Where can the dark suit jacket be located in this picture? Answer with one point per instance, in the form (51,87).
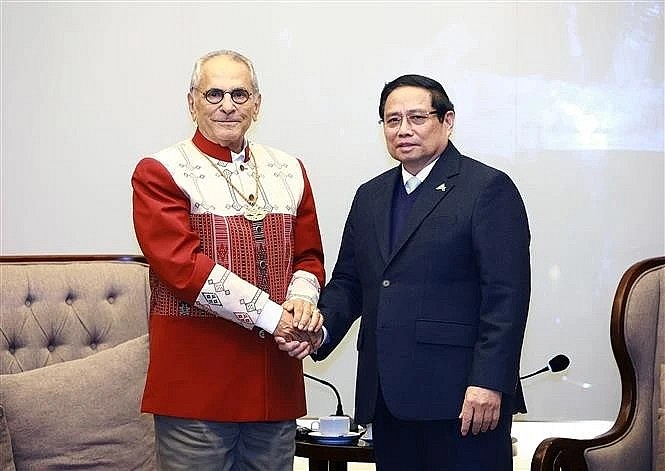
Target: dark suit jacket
(447,307)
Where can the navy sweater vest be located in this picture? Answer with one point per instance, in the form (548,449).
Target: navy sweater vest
(401,207)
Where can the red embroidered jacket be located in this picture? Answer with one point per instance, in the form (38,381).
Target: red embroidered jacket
(217,279)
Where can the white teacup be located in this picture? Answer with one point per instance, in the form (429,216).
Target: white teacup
(332,425)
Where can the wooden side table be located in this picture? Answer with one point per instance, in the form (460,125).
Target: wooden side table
(334,457)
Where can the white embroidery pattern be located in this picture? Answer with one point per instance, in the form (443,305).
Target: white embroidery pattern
(226,295)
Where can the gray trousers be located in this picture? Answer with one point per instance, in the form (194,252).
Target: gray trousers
(184,444)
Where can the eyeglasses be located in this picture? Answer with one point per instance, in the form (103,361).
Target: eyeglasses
(417,118)
(215,96)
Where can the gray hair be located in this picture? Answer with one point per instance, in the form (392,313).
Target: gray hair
(198,65)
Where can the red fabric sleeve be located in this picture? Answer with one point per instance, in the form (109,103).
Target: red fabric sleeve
(164,233)
(308,249)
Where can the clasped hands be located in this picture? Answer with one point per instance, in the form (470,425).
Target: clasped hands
(298,331)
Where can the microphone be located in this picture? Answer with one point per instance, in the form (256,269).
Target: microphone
(353,427)
(556,364)
(339,410)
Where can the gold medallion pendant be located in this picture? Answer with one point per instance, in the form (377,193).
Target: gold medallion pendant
(254,213)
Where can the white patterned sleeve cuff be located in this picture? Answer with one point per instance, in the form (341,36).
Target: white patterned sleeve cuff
(305,286)
(270,316)
(226,295)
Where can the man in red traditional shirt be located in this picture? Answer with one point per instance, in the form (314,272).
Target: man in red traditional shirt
(230,230)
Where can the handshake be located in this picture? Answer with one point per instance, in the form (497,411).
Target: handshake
(299,331)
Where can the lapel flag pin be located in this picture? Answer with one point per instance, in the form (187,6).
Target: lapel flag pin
(441,187)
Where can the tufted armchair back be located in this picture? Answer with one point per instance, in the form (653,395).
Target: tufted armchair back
(636,442)
(60,308)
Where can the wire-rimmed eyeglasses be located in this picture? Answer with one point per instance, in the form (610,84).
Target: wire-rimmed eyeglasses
(416,118)
(215,96)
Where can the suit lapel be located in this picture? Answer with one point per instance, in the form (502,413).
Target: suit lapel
(438,184)
(382,203)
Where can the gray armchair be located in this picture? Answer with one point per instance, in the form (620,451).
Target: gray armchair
(73,360)
(636,441)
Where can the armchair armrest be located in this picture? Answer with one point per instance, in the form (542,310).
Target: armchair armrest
(567,454)
(633,334)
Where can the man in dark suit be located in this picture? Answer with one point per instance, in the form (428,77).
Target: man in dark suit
(438,270)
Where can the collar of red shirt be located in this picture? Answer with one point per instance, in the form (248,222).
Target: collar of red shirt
(212,149)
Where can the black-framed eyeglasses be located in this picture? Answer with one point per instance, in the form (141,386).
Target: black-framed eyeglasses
(215,96)
(417,118)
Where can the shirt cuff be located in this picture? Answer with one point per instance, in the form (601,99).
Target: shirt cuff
(305,286)
(269,317)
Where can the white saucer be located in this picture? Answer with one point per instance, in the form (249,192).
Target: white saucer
(345,439)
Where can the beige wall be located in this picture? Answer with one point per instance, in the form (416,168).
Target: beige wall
(567,98)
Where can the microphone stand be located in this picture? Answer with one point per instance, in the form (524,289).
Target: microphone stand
(556,364)
(339,410)
(542,370)
(353,427)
